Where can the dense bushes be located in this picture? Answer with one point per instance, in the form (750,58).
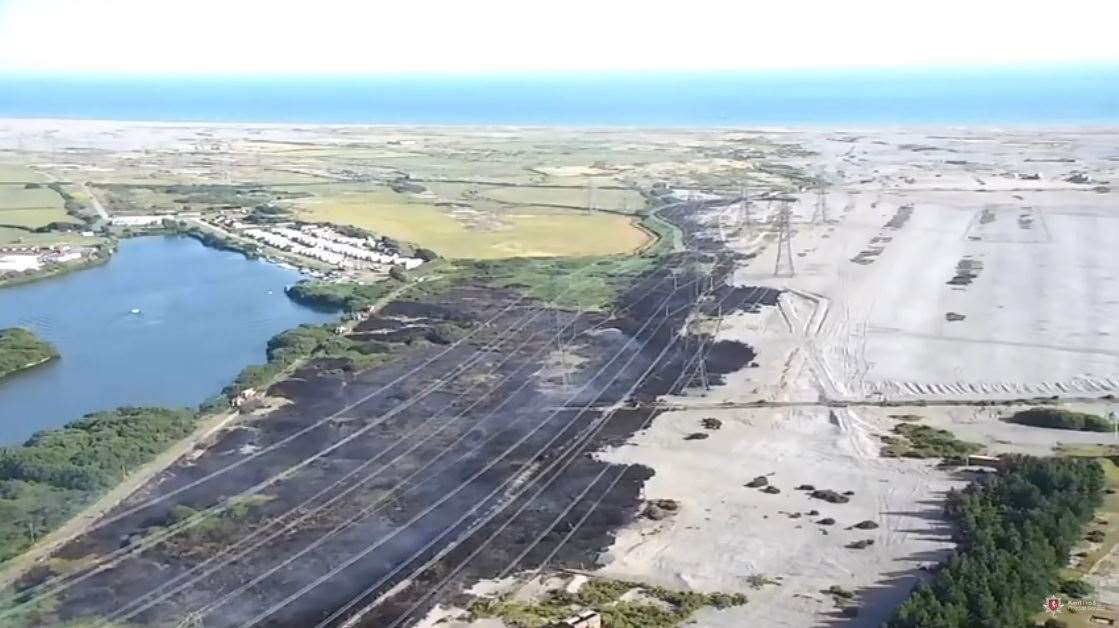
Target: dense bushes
(294,343)
(306,341)
(1061,419)
(1015,533)
(915,440)
(283,351)
(90,452)
(213,240)
(268,213)
(349,296)
(56,472)
(19,349)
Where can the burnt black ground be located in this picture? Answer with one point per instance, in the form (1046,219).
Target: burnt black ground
(462,478)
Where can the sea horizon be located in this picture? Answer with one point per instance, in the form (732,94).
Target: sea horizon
(1055,95)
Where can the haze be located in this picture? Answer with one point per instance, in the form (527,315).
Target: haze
(343,36)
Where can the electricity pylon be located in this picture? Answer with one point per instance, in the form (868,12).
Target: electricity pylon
(784,265)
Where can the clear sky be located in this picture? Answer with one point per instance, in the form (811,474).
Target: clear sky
(379,36)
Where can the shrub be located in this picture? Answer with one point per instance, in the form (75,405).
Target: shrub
(1075,588)
(923,441)
(445,333)
(1057,418)
(346,295)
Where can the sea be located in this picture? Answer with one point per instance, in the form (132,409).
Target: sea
(1059,94)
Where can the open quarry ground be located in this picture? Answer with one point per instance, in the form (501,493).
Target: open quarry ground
(1040,312)
(946,277)
(901,239)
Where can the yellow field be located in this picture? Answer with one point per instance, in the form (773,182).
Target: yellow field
(32,208)
(512,233)
(572,197)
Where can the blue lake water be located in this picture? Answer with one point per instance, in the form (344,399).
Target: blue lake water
(204,315)
(1085,93)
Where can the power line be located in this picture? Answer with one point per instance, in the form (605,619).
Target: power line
(564,457)
(458,370)
(784,265)
(367,478)
(481,547)
(529,461)
(820,216)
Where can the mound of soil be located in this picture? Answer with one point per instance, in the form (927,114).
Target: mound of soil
(829,496)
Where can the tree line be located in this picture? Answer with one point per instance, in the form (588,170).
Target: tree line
(58,471)
(1015,531)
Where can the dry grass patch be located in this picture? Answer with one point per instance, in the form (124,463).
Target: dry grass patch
(486,235)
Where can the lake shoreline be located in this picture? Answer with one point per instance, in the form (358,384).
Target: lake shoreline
(20,341)
(28,366)
(80,508)
(133,299)
(57,271)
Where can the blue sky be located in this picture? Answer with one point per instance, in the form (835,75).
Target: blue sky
(373,37)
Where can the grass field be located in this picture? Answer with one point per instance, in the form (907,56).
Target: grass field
(12,173)
(512,233)
(571,197)
(20,236)
(138,199)
(31,208)
(15,196)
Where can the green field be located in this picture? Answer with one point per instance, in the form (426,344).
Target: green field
(521,232)
(31,208)
(12,173)
(9,236)
(16,196)
(569,197)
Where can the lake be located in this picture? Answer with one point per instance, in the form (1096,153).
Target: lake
(204,314)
